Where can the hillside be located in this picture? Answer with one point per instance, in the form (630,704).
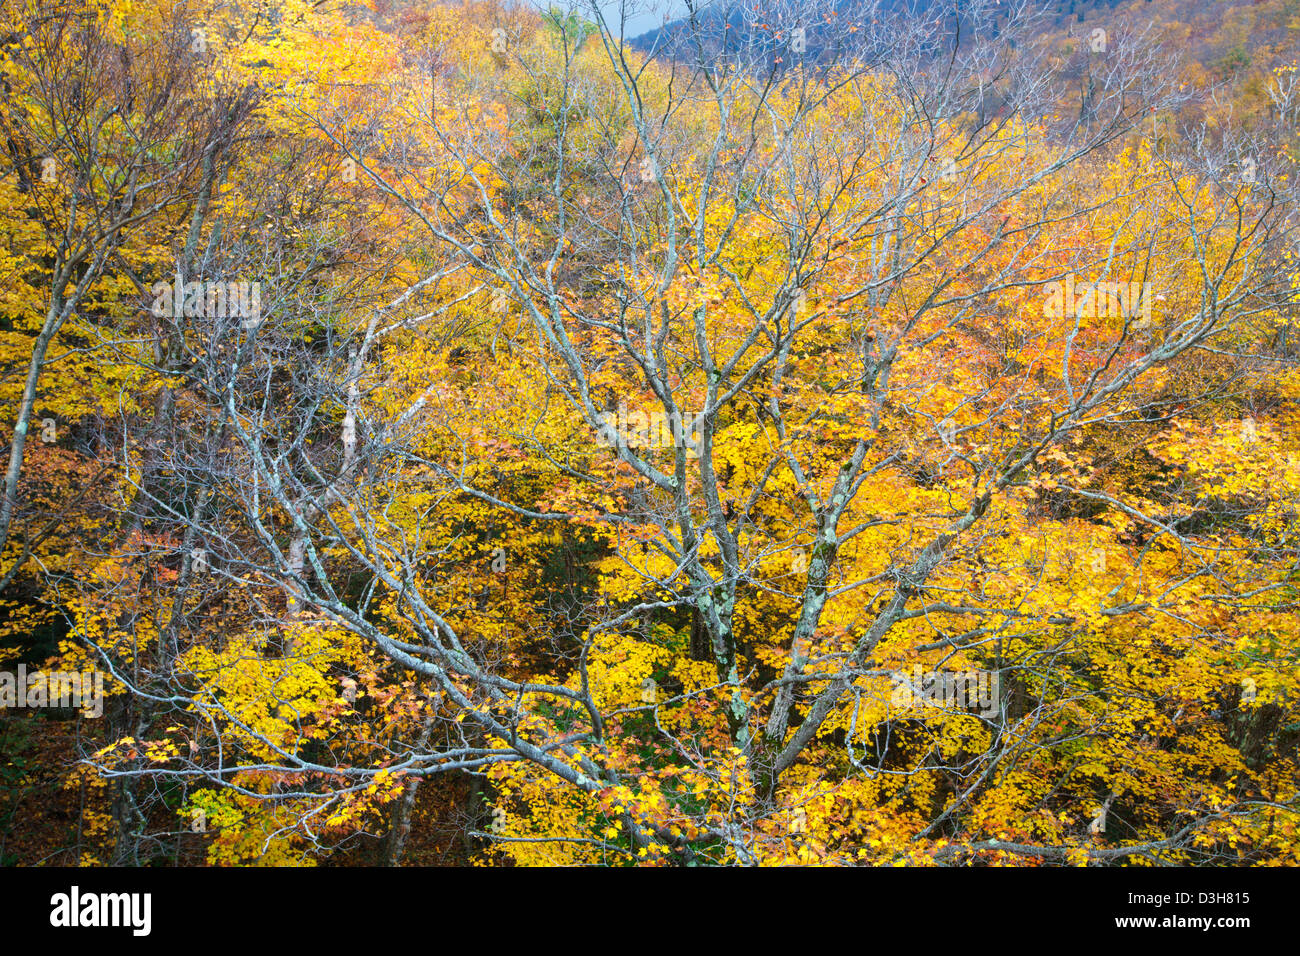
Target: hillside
(438,434)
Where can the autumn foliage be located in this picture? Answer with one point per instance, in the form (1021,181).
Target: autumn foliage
(611,456)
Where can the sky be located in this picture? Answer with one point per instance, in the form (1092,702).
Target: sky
(641,15)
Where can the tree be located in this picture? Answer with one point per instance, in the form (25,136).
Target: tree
(771,452)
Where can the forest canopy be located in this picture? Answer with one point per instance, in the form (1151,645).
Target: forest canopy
(809,433)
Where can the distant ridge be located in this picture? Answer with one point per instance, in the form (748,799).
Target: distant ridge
(757,24)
